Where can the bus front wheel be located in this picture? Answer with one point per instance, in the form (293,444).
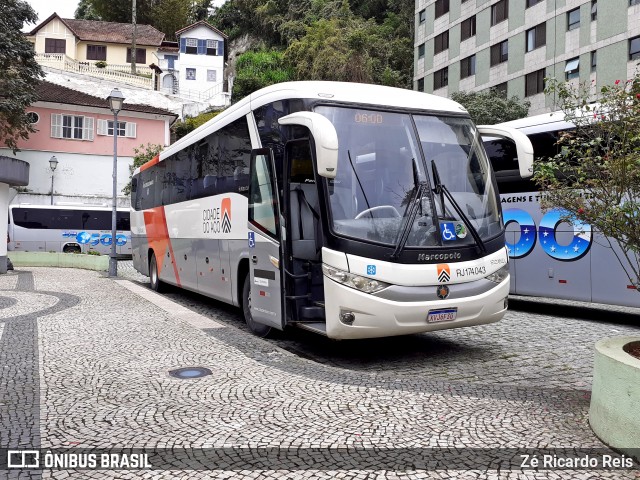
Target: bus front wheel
(154,275)
(256,328)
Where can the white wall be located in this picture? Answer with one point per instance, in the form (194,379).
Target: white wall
(81,177)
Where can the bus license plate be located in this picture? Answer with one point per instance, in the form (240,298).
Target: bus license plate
(442,315)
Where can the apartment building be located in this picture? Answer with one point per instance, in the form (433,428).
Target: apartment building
(513,45)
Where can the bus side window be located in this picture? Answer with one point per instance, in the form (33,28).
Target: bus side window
(208,160)
(235,152)
(504,160)
(181,176)
(503,156)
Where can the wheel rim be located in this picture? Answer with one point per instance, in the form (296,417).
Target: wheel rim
(257,328)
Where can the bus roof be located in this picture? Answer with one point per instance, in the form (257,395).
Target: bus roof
(540,123)
(356,93)
(67,206)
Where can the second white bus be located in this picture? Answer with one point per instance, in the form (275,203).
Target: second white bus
(67,229)
(548,256)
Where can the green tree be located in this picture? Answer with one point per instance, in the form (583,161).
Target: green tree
(188,125)
(85,11)
(143,154)
(596,176)
(491,107)
(120,10)
(169,16)
(351,49)
(236,17)
(376,34)
(256,70)
(21,74)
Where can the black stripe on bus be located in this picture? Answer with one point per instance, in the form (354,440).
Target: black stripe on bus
(269,275)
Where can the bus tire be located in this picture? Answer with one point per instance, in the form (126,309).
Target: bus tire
(258,329)
(154,275)
(71,249)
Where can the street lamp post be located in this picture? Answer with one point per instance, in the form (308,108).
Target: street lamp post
(116,99)
(53,163)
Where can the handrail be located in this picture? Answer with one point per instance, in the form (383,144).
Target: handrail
(63,62)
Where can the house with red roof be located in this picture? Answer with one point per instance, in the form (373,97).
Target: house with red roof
(91,41)
(78,130)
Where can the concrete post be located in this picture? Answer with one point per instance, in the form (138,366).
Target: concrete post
(4,213)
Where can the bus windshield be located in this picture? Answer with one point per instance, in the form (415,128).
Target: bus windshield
(383,159)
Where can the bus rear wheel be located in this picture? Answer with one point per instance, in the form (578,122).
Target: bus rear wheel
(258,329)
(154,276)
(72,249)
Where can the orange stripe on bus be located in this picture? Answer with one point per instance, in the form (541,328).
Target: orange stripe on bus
(150,163)
(158,238)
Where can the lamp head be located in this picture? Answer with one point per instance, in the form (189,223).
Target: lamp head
(53,163)
(116,99)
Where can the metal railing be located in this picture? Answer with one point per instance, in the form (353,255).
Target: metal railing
(203,96)
(118,73)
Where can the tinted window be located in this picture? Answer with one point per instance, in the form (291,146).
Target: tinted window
(235,152)
(65,219)
(181,176)
(502,154)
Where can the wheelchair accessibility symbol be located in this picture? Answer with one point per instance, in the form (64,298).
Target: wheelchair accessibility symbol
(448,231)
(252,240)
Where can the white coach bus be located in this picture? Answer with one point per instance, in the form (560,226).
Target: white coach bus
(350,210)
(71,228)
(548,256)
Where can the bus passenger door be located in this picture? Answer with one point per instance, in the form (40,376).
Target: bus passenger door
(264,241)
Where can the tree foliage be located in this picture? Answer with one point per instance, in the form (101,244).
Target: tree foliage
(85,11)
(143,154)
(491,107)
(168,16)
(20,72)
(596,176)
(190,124)
(357,40)
(259,69)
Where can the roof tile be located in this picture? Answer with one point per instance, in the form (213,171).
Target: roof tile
(50,92)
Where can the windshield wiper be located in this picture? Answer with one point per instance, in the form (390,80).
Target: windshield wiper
(414,206)
(443,191)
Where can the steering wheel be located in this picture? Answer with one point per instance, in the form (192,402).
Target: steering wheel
(379,207)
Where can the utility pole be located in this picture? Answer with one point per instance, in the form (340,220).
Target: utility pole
(133,43)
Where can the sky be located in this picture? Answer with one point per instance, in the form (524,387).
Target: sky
(64,8)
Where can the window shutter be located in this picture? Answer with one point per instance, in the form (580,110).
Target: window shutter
(202,47)
(541,35)
(130,130)
(56,125)
(102,127)
(87,128)
(221,48)
(183,45)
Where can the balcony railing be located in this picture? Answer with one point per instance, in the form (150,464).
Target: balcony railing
(118,73)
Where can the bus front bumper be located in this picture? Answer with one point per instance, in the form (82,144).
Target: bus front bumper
(379,317)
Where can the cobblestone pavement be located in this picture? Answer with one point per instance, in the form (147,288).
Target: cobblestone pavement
(85,359)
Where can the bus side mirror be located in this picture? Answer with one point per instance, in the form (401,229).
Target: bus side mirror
(521,141)
(325,137)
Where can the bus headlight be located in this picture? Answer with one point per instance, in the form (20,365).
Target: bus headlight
(499,275)
(363,284)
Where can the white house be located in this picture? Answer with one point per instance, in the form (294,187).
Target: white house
(194,67)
